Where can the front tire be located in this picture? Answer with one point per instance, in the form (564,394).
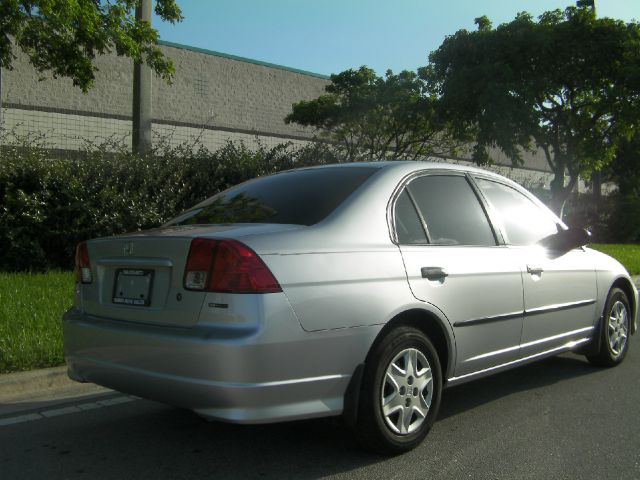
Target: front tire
(401,392)
(614,332)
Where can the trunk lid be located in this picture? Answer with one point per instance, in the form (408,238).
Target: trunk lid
(138,277)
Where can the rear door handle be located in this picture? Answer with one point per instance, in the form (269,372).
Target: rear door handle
(433,273)
(535,269)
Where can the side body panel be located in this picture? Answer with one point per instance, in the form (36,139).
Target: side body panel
(560,296)
(481,297)
(342,289)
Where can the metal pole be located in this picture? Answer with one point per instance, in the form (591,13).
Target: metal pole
(596,177)
(141,131)
(0,96)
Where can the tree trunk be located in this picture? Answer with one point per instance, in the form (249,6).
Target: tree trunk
(597,187)
(560,193)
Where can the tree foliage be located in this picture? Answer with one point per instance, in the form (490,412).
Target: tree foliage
(372,117)
(568,84)
(625,172)
(64,36)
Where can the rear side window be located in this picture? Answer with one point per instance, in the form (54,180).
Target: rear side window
(300,197)
(408,225)
(522,221)
(451,210)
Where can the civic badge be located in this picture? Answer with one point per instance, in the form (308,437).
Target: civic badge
(127,249)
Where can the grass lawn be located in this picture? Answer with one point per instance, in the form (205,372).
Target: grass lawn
(627,254)
(31,308)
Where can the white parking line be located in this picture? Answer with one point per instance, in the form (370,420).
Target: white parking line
(20,419)
(57,412)
(115,401)
(90,406)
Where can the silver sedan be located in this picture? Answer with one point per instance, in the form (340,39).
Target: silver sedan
(359,290)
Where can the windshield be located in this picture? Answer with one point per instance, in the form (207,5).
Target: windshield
(300,197)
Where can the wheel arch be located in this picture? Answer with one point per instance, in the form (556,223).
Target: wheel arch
(429,323)
(625,285)
(594,347)
(432,326)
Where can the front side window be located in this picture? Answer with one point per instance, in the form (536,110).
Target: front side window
(522,221)
(451,210)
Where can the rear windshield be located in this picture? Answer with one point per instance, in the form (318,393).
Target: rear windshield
(300,197)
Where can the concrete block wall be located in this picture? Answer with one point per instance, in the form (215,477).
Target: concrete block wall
(224,91)
(112,93)
(210,90)
(63,131)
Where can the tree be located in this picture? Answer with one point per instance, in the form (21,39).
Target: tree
(624,224)
(371,117)
(65,36)
(566,84)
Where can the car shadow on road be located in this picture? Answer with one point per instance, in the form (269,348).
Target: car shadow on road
(143,439)
(529,377)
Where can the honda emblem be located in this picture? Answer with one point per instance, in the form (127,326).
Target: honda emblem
(127,249)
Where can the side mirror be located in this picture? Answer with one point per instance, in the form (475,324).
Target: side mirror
(566,240)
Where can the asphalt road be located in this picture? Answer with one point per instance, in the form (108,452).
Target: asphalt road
(560,418)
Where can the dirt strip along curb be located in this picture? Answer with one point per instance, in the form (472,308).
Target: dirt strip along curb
(40,383)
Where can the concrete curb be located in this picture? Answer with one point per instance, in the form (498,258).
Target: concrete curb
(47,382)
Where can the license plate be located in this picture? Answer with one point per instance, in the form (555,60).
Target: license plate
(133,287)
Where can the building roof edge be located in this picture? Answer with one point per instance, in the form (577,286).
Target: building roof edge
(240,59)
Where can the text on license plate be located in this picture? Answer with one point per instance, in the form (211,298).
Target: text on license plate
(133,286)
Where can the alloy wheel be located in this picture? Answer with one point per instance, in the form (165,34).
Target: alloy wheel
(407,391)
(618,327)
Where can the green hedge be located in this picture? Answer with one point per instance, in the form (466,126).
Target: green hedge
(49,204)
(615,219)
(624,223)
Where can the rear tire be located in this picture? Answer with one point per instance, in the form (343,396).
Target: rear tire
(401,392)
(614,331)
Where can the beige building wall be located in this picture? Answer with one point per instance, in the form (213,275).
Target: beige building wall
(213,96)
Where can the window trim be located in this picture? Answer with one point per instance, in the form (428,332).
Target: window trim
(423,223)
(488,210)
(402,186)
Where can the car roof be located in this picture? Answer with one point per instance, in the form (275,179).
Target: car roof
(407,166)
(399,169)
(398,164)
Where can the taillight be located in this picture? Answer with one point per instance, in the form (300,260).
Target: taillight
(83,266)
(228,266)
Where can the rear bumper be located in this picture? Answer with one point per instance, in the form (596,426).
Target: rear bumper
(273,373)
(232,402)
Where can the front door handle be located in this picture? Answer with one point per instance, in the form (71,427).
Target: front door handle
(433,273)
(535,269)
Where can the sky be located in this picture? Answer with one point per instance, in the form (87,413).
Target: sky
(330,36)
